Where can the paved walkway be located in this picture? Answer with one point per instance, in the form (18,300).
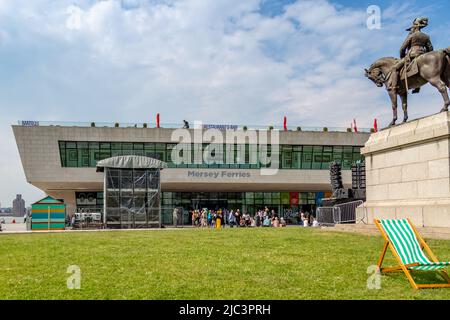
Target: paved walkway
(427,233)
(370,229)
(20,228)
(14,227)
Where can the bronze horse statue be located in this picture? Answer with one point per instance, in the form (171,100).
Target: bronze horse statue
(433,67)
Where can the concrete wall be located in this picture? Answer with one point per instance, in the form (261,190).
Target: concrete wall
(408,172)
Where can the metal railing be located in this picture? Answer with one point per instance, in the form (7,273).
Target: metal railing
(325,216)
(346,212)
(34,123)
(339,214)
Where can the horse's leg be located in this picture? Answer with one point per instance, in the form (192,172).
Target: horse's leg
(393,96)
(404,97)
(442,87)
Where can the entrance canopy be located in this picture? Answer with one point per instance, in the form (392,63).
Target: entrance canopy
(132,191)
(130,162)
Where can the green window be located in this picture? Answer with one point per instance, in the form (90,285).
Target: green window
(337,154)
(83,154)
(87,154)
(357,154)
(105,150)
(276,198)
(327,157)
(347,158)
(138,149)
(307,157)
(286,157)
(62,152)
(296,157)
(317,157)
(303,198)
(71,158)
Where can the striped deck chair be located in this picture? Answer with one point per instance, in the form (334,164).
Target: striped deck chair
(407,247)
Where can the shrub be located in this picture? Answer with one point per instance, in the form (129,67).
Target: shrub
(92,124)
(325,129)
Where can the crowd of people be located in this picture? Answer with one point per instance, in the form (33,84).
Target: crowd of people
(206,218)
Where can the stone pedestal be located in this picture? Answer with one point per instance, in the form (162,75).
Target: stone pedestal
(408,172)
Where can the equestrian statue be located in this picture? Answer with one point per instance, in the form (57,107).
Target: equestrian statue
(418,65)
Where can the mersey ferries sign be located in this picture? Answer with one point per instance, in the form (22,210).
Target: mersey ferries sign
(218,174)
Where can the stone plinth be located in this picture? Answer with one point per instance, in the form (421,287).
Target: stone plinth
(408,172)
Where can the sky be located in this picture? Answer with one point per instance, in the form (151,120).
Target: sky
(222,61)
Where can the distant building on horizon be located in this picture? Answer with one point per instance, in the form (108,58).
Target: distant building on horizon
(5,211)
(19,209)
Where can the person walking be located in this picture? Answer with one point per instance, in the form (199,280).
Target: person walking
(225,217)
(231,219)
(237,214)
(175,217)
(209,217)
(193,217)
(219,219)
(257,220)
(204,219)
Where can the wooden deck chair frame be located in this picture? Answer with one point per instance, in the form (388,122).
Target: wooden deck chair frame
(402,266)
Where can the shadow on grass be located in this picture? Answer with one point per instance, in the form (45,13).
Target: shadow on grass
(420,277)
(428,277)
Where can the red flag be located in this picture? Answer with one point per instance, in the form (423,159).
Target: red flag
(285,123)
(354,126)
(375,125)
(157,120)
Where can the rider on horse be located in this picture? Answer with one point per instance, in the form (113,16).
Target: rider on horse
(416,44)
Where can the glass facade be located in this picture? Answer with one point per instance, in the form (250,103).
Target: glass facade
(297,157)
(285,204)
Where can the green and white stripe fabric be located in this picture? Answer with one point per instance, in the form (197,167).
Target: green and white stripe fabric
(405,242)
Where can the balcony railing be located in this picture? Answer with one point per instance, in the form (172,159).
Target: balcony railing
(32,123)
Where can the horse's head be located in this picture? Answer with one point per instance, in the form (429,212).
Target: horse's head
(378,72)
(376,76)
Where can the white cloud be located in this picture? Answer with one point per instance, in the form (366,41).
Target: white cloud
(216,61)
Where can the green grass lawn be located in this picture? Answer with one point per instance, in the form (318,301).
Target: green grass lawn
(283,263)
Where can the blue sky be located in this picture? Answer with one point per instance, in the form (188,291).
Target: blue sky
(221,61)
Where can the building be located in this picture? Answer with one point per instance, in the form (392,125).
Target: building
(18,208)
(5,211)
(61,159)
